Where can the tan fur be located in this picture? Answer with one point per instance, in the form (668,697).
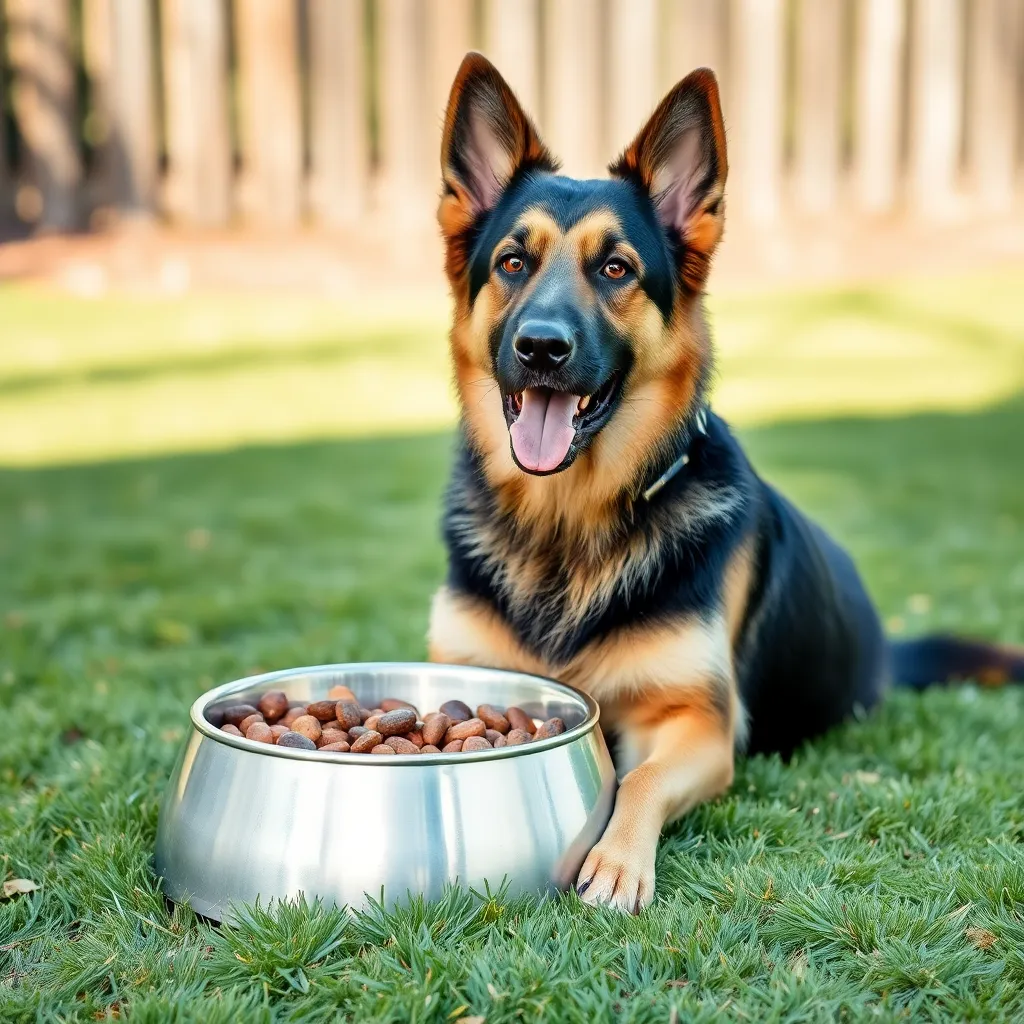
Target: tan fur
(689,760)
(638,675)
(739,576)
(467,632)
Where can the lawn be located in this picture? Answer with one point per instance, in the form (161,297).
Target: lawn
(153,541)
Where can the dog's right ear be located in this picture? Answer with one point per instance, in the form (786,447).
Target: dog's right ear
(487,140)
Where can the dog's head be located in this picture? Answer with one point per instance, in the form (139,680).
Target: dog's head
(579,339)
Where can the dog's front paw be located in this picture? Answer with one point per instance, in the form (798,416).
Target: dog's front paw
(619,875)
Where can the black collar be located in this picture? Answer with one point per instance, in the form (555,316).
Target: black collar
(700,422)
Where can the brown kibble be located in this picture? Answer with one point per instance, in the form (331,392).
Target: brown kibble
(393,704)
(260,732)
(519,719)
(273,705)
(395,723)
(237,713)
(279,730)
(400,745)
(435,727)
(429,748)
(493,718)
(296,739)
(231,730)
(499,742)
(463,730)
(452,748)
(365,743)
(457,711)
(291,714)
(383,748)
(475,743)
(332,736)
(517,736)
(342,693)
(552,727)
(337,748)
(308,726)
(246,722)
(347,714)
(323,710)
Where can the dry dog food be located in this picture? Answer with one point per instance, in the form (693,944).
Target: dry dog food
(340,724)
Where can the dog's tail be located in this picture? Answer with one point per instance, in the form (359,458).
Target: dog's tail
(937,659)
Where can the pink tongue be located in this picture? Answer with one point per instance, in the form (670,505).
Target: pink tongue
(542,434)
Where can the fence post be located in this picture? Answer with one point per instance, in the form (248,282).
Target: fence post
(634,44)
(757,29)
(44,105)
(407,179)
(573,98)
(119,56)
(449,35)
(997,54)
(696,34)
(195,46)
(5,172)
(339,137)
(512,43)
(818,81)
(881,41)
(268,68)
(936,83)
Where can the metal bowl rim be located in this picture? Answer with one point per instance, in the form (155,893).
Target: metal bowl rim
(201,725)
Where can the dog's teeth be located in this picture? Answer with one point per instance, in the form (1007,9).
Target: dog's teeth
(584,402)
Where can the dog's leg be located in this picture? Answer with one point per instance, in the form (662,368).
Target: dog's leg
(689,760)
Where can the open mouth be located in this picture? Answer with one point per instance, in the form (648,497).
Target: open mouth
(547,426)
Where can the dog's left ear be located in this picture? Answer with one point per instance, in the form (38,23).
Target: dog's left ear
(679,158)
(487,139)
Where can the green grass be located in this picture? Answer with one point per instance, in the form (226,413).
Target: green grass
(879,875)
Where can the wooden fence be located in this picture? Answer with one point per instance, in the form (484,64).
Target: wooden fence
(276,112)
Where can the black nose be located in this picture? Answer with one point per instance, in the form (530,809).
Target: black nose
(543,346)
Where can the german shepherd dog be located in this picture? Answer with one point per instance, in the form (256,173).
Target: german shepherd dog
(603,526)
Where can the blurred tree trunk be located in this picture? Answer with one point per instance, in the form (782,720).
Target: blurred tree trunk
(271,113)
(195,47)
(43,70)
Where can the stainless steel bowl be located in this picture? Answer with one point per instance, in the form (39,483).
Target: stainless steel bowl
(242,820)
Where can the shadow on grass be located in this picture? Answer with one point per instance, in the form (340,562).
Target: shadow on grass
(278,542)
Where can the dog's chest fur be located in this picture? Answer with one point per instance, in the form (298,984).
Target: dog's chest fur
(635,604)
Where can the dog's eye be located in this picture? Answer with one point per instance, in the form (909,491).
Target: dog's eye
(616,270)
(512,264)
